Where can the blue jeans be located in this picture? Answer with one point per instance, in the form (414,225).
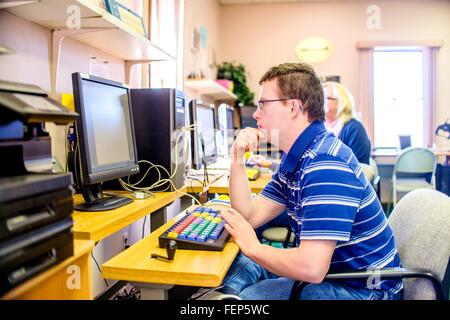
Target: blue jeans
(253,282)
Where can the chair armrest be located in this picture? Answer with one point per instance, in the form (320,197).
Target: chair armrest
(376,180)
(380,274)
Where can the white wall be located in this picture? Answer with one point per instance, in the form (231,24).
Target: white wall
(263,35)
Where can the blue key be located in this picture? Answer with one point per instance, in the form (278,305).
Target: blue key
(192,237)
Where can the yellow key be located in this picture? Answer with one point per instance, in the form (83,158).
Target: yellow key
(172,235)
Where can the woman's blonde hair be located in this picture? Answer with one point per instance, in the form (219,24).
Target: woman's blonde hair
(346,103)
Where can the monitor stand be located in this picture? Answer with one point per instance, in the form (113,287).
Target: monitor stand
(95,201)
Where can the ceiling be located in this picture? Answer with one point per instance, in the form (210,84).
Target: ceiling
(230,2)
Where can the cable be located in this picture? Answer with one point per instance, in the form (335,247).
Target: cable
(160,182)
(143,227)
(205,170)
(98,267)
(192,187)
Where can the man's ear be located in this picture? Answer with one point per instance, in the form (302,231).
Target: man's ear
(296,107)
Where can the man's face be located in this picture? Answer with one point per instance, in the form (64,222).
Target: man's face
(271,115)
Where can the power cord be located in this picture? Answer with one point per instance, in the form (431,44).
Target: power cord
(143,227)
(133,187)
(98,267)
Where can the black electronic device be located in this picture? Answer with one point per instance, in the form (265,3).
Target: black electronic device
(31,104)
(203,139)
(200,229)
(246,115)
(29,253)
(159,117)
(31,201)
(35,202)
(105,138)
(226,126)
(24,143)
(405,141)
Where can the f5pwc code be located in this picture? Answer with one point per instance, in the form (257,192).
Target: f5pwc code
(233,309)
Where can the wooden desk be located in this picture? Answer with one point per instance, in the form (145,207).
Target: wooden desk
(189,267)
(52,284)
(256,186)
(99,225)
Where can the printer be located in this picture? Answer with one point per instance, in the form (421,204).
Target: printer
(35,203)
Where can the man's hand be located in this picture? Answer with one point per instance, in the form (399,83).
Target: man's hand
(247,140)
(241,231)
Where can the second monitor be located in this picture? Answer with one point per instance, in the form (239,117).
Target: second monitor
(203,140)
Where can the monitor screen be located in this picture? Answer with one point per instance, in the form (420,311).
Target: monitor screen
(247,117)
(105,129)
(230,128)
(205,130)
(405,141)
(230,119)
(108,126)
(203,140)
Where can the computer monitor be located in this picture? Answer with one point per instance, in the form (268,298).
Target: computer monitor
(246,115)
(226,127)
(106,147)
(405,141)
(203,140)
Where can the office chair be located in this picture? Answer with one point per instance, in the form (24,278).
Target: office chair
(279,234)
(371,173)
(421,226)
(413,161)
(376,182)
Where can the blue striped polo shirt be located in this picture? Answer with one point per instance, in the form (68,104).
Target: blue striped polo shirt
(327,197)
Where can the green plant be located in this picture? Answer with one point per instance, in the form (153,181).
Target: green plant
(236,72)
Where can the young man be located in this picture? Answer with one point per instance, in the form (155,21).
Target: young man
(333,210)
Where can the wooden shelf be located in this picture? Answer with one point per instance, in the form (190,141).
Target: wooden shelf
(108,33)
(210,89)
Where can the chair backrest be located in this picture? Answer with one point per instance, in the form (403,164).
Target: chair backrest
(368,171)
(416,160)
(374,166)
(421,226)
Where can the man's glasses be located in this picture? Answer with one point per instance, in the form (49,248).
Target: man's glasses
(260,103)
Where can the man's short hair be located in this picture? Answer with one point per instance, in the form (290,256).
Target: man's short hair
(299,81)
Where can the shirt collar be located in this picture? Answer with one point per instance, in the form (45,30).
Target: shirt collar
(301,144)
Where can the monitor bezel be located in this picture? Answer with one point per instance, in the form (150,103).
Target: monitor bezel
(89,177)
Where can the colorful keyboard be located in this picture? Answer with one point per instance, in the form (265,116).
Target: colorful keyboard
(200,229)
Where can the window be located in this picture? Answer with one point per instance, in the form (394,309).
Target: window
(398,96)
(167,32)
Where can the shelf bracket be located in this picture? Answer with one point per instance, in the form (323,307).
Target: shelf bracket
(129,64)
(58,36)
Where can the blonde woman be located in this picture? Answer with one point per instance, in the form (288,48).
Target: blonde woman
(340,119)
